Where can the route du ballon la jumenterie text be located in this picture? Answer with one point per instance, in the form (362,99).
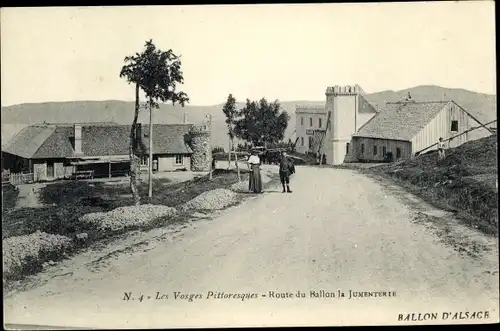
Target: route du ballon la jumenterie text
(276,295)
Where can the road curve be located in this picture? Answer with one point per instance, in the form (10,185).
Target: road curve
(339,231)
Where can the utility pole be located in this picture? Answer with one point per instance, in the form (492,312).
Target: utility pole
(229,155)
(322,144)
(209,127)
(150,194)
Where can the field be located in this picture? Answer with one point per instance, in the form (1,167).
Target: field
(465,182)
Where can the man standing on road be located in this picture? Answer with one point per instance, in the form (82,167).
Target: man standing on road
(441,155)
(285,170)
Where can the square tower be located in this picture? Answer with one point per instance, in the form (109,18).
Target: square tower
(343,103)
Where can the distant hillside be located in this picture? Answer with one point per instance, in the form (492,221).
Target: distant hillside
(14,118)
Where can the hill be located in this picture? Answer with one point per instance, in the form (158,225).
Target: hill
(15,117)
(465,182)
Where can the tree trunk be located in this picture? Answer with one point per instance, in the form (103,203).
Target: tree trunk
(236,160)
(133,146)
(229,156)
(150,191)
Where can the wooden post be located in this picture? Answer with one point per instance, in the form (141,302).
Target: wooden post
(150,193)
(209,126)
(322,145)
(229,155)
(109,169)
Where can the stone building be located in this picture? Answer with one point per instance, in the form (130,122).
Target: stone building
(349,110)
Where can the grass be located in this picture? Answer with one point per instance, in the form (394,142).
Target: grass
(66,201)
(10,194)
(464,182)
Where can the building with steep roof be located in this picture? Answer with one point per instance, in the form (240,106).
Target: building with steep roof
(407,127)
(52,151)
(349,129)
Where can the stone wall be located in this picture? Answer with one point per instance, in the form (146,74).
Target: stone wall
(202,149)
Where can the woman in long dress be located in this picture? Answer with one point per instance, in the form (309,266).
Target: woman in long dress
(255,181)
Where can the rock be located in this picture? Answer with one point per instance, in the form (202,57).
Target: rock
(199,215)
(123,217)
(82,236)
(21,250)
(212,200)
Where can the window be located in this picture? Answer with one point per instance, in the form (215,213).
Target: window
(362,148)
(310,142)
(310,122)
(347,148)
(144,161)
(398,153)
(384,151)
(302,121)
(179,159)
(319,122)
(302,141)
(454,126)
(374,150)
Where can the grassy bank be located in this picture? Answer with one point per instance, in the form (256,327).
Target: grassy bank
(465,182)
(59,229)
(10,194)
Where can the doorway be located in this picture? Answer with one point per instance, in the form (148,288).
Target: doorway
(50,169)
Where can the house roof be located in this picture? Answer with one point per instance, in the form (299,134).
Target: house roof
(27,141)
(57,141)
(401,120)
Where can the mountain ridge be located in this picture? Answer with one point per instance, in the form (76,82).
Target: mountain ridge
(15,117)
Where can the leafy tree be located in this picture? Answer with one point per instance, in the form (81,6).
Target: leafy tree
(157,73)
(261,122)
(231,113)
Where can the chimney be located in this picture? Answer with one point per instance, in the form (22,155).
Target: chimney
(185,120)
(78,139)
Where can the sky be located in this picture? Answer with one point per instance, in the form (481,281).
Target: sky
(286,52)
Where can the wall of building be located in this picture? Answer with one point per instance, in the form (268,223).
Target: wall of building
(349,112)
(440,126)
(62,170)
(39,170)
(304,115)
(167,163)
(342,101)
(369,144)
(14,163)
(68,171)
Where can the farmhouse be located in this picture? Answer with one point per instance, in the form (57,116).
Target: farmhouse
(54,151)
(407,127)
(349,129)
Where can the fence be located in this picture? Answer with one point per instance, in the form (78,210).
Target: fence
(16,179)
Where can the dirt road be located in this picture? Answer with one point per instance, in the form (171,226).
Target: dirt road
(337,231)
